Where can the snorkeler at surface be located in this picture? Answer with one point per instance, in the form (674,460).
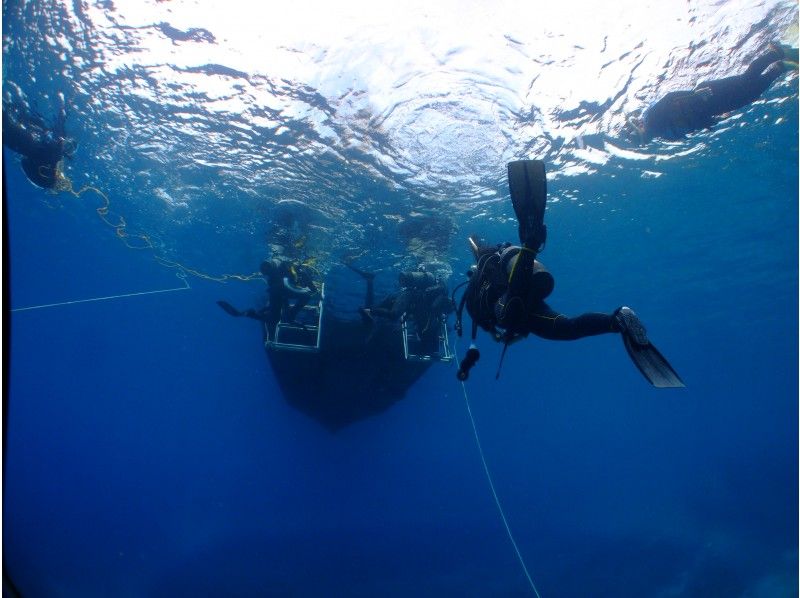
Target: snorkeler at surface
(507,287)
(681,112)
(285,281)
(41,146)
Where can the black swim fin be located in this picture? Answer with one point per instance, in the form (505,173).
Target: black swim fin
(652,364)
(643,353)
(229,309)
(528,185)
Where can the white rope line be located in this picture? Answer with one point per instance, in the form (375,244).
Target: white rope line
(183,288)
(491,485)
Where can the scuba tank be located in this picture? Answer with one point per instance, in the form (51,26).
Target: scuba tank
(502,284)
(540,283)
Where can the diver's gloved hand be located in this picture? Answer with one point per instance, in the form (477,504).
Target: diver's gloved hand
(630,324)
(229,309)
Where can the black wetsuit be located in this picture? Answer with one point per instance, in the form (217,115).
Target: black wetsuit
(681,112)
(284,282)
(287,282)
(543,321)
(422,298)
(41,148)
(489,291)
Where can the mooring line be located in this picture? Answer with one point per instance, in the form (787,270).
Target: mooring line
(491,485)
(183,288)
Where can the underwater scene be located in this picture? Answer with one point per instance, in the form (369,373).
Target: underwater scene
(428,299)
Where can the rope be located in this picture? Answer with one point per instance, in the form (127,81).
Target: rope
(491,485)
(183,288)
(134,240)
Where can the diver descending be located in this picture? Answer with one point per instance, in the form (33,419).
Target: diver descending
(507,287)
(42,147)
(681,112)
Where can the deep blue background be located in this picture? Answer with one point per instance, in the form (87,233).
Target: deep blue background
(150,452)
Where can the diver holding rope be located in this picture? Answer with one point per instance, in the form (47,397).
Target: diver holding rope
(286,280)
(507,287)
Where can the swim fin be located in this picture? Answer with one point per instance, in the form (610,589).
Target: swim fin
(643,353)
(229,309)
(528,185)
(652,364)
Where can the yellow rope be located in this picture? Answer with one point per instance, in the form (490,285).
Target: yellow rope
(135,241)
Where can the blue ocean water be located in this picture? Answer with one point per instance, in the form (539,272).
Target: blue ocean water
(150,451)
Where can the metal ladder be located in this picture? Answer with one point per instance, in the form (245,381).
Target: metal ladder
(291,336)
(412,346)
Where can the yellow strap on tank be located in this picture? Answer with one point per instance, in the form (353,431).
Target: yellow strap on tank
(514,269)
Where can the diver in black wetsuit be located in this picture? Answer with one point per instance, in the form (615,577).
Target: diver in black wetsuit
(285,281)
(681,112)
(422,298)
(41,146)
(507,287)
(524,307)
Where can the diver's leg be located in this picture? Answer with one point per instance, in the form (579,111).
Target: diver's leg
(735,92)
(369,299)
(262,315)
(382,312)
(386,308)
(773,54)
(369,277)
(765,79)
(549,324)
(299,304)
(401,305)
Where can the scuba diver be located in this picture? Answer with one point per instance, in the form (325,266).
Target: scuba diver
(422,299)
(285,281)
(41,146)
(681,112)
(507,287)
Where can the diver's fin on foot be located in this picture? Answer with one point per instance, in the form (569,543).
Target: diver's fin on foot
(528,185)
(643,353)
(229,309)
(652,364)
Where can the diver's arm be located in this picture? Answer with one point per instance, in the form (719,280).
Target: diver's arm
(296,290)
